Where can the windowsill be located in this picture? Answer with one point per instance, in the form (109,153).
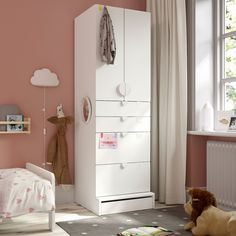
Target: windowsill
(213,133)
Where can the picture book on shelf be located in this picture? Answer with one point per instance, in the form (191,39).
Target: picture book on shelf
(15,127)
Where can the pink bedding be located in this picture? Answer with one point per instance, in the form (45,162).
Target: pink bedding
(22,191)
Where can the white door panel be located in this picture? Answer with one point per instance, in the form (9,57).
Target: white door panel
(108,77)
(137,55)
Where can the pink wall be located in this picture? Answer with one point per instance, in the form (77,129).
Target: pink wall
(37,34)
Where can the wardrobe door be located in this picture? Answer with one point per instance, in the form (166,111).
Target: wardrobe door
(137,55)
(109,77)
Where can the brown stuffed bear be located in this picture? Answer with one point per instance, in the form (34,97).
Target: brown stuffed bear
(206,218)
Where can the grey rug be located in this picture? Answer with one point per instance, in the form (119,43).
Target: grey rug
(172,218)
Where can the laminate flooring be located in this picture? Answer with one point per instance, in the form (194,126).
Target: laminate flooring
(36,224)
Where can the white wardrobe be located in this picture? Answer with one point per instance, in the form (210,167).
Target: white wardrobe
(113,179)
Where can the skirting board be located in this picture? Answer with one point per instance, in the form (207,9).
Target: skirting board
(128,204)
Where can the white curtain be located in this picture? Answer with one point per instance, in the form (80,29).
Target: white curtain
(169,97)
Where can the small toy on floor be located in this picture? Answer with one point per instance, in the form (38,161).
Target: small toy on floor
(206,218)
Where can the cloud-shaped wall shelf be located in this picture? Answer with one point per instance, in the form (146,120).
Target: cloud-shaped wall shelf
(44,78)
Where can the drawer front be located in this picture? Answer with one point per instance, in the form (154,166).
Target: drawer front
(122,178)
(122,108)
(122,124)
(126,205)
(131,147)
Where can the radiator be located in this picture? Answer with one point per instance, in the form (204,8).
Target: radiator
(221,172)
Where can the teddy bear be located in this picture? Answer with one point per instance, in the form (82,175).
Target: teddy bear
(206,218)
(60,112)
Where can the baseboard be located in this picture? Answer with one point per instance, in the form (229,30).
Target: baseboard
(64,194)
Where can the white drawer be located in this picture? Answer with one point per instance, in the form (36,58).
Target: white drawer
(131,147)
(122,178)
(124,205)
(122,124)
(104,108)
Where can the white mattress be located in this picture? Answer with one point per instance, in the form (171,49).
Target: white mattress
(22,191)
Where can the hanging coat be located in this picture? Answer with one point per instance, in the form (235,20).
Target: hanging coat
(57,153)
(107,38)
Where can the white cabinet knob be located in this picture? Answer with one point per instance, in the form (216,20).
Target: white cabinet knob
(123,118)
(123,103)
(123,165)
(123,89)
(122,134)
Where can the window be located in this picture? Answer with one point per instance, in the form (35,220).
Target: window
(228,55)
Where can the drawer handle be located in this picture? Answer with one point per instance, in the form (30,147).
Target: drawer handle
(122,134)
(123,103)
(123,118)
(123,165)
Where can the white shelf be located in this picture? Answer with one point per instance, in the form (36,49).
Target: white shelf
(213,133)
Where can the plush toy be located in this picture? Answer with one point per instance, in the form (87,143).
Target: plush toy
(206,218)
(60,112)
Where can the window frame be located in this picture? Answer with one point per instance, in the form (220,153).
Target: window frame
(222,37)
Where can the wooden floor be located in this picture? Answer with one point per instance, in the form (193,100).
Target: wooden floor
(37,224)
